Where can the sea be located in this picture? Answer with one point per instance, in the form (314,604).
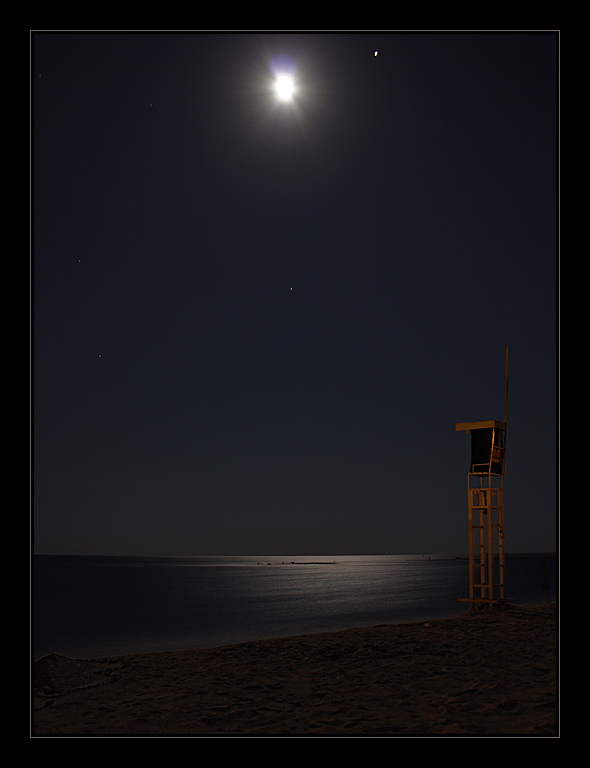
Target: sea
(88,607)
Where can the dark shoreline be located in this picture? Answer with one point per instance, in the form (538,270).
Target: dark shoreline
(446,677)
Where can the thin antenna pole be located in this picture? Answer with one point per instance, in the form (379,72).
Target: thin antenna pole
(505,403)
(506,386)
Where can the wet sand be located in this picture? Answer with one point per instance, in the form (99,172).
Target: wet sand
(486,672)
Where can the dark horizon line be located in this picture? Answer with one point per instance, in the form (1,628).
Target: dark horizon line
(463,556)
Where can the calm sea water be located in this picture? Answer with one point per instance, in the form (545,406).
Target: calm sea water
(102,606)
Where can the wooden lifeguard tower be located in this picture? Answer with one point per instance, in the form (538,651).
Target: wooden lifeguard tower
(485,507)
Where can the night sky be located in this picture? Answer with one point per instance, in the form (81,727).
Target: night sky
(256,323)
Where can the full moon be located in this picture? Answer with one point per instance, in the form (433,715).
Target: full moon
(284,86)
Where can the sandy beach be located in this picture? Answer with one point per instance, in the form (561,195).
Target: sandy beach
(483,673)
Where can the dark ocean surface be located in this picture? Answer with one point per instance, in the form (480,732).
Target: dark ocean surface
(104,606)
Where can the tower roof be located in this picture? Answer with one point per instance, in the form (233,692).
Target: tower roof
(467,426)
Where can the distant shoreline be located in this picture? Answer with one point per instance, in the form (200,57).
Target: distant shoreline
(425,558)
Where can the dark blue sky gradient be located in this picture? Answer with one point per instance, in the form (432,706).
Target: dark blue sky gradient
(255,325)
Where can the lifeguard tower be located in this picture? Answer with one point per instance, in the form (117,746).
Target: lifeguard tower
(485,507)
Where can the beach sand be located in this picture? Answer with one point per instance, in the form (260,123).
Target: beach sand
(485,672)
